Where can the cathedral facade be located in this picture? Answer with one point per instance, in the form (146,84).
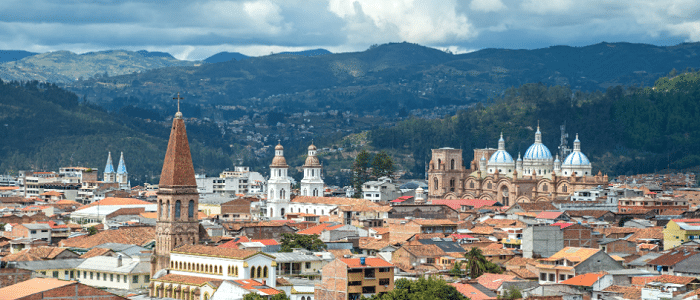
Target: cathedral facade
(495,175)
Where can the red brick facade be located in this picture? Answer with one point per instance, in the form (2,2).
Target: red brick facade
(578,235)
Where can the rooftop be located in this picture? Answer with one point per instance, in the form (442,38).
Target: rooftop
(31,286)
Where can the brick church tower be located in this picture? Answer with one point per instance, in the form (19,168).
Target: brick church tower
(177,223)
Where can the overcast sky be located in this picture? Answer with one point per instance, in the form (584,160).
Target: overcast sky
(197,29)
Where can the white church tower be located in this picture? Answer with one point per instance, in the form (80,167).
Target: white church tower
(109,174)
(279,186)
(123,175)
(312,184)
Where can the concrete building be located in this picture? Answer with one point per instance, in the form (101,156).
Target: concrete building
(380,190)
(240,181)
(353,278)
(572,261)
(541,241)
(120,272)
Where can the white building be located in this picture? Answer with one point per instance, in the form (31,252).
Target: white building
(230,183)
(279,186)
(120,272)
(380,190)
(312,184)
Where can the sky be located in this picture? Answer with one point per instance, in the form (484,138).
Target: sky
(194,30)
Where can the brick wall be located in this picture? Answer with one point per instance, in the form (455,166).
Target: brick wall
(76,291)
(19,231)
(13,276)
(578,235)
(621,246)
(334,282)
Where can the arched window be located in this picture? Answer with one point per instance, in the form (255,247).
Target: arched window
(265,272)
(564,189)
(177,209)
(282,212)
(312,172)
(314,211)
(235,271)
(190,209)
(303,193)
(259,272)
(252,272)
(161,210)
(545,187)
(452,164)
(471,184)
(168,210)
(435,183)
(282,194)
(488,185)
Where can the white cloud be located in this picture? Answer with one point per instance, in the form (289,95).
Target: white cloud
(417,21)
(487,5)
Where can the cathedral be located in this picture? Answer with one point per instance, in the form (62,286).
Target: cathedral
(121,176)
(495,175)
(279,185)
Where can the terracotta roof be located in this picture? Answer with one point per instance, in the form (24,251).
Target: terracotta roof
(520,262)
(177,165)
(672,257)
(320,228)
(642,281)
(573,254)
(233,244)
(339,253)
(548,215)
(96,252)
(253,285)
(31,286)
(482,230)
(456,204)
(34,254)
(592,213)
(647,233)
(522,273)
(471,292)
(585,279)
(424,250)
(500,223)
(672,212)
(494,281)
(116,201)
(562,225)
(627,292)
(369,261)
(537,206)
(214,251)
(184,279)
(125,235)
(372,243)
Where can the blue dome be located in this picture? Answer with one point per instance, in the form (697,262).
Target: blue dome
(501,157)
(576,159)
(538,151)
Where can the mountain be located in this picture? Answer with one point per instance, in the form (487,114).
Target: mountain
(313,52)
(13,55)
(225,56)
(67,67)
(386,78)
(43,127)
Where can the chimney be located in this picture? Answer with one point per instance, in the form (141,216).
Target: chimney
(119,261)
(264,282)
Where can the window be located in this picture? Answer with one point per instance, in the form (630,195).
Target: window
(33,231)
(384,281)
(190,209)
(452,164)
(265,272)
(383,270)
(146,278)
(552,278)
(435,183)
(369,273)
(91,275)
(168,209)
(354,283)
(488,185)
(471,184)
(135,279)
(368,289)
(308,265)
(177,209)
(118,277)
(545,187)
(562,277)
(543,276)
(111,277)
(55,274)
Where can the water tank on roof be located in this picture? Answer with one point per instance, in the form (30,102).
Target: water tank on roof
(362,261)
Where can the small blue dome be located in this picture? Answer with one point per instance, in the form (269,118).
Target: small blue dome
(501,157)
(576,159)
(538,151)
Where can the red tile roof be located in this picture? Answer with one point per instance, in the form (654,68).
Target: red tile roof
(31,286)
(184,279)
(128,235)
(116,201)
(369,262)
(456,204)
(642,281)
(494,281)
(562,225)
(251,284)
(584,280)
(470,291)
(548,215)
(320,228)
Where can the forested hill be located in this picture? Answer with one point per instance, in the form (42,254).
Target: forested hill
(43,127)
(386,78)
(621,130)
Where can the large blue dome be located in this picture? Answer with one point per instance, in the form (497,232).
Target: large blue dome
(576,159)
(538,151)
(501,157)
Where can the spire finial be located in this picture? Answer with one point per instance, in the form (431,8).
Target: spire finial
(178,98)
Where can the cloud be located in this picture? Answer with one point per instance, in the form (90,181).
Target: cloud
(487,5)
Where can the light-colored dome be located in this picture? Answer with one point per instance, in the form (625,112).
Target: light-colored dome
(576,159)
(312,147)
(538,151)
(501,157)
(312,161)
(279,147)
(279,162)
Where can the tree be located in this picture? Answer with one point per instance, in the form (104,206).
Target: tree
(309,242)
(382,165)
(252,296)
(456,270)
(359,171)
(476,263)
(430,288)
(512,293)
(92,230)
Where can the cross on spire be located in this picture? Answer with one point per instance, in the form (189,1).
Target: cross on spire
(178,98)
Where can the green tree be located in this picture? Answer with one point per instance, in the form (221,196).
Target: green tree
(309,242)
(476,263)
(252,296)
(456,270)
(512,293)
(382,165)
(360,171)
(92,230)
(430,288)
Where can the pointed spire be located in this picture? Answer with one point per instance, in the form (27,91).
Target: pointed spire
(121,169)
(501,143)
(178,114)
(519,158)
(538,134)
(177,166)
(109,168)
(577,144)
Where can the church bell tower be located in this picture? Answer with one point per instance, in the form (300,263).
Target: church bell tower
(177,223)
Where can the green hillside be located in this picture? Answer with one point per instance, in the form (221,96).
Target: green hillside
(43,127)
(621,130)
